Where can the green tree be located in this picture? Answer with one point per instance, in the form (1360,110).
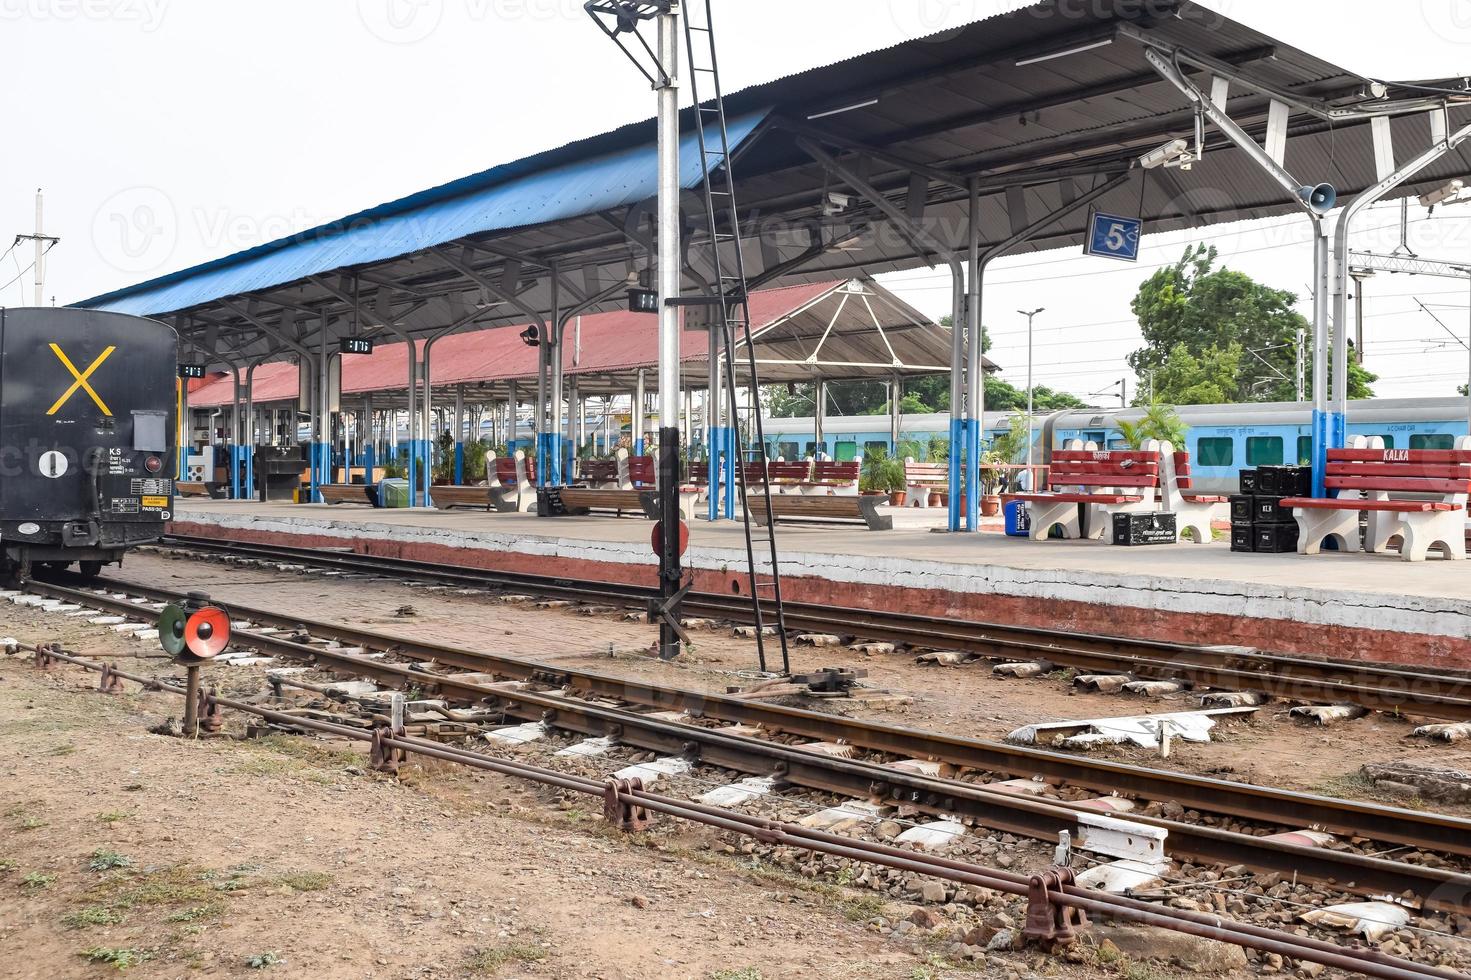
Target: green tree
(1240,335)
(1186,378)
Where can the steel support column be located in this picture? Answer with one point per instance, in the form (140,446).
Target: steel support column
(1338,416)
(668,271)
(923,243)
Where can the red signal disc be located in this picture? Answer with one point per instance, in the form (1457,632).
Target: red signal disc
(207,632)
(657,538)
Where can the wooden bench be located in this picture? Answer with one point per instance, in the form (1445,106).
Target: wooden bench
(1109,481)
(512,484)
(348,493)
(447,497)
(1373,479)
(1193,511)
(829,477)
(580,501)
(921,479)
(805,508)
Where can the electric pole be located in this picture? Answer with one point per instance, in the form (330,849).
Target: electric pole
(43,243)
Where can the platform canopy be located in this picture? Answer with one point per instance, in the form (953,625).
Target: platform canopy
(1037,106)
(847,330)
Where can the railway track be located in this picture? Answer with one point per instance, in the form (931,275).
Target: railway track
(941,774)
(1444,695)
(1056,905)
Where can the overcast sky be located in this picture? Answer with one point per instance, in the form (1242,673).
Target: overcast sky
(169,132)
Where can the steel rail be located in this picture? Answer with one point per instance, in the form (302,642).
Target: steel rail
(999,810)
(1380,687)
(1366,961)
(1285,808)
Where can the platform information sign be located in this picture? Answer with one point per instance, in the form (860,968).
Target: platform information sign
(1113,236)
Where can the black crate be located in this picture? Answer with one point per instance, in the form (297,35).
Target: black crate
(1145,528)
(1273,538)
(1284,481)
(1248,481)
(1243,509)
(1269,510)
(1243,537)
(1304,487)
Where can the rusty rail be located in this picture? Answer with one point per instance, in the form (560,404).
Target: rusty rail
(1377,686)
(990,807)
(1284,808)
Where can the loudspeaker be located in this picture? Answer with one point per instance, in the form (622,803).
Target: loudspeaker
(1319,197)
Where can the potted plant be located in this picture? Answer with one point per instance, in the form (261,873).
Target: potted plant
(872,480)
(891,473)
(992,479)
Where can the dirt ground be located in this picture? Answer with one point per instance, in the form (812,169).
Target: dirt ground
(274,851)
(967,700)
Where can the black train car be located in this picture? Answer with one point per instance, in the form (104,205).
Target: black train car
(88,402)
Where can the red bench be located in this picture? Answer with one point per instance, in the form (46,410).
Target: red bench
(780,475)
(1372,480)
(831,477)
(598,472)
(922,479)
(513,487)
(1112,481)
(1193,511)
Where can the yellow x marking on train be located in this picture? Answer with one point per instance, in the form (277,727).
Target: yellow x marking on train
(81,380)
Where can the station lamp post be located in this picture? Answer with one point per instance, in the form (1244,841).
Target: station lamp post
(1029,314)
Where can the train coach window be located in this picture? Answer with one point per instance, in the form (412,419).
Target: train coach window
(1433,441)
(1215,451)
(846,452)
(1263,450)
(1304,450)
(1388,439)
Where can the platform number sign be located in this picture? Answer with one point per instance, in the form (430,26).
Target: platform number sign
(355,345)
(1113,236)
(191,371)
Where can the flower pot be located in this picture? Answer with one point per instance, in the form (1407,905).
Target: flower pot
(871,493)
(944,499)
(897,497)
(934,498)
(990,505)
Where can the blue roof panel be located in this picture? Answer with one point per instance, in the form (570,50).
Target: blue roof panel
(505,197)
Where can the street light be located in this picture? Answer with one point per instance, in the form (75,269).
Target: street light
(1029,314)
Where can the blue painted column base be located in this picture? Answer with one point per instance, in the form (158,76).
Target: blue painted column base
(972,429)
(368,465)
(459,464)
(730,441)
(957,446)
(1320,453)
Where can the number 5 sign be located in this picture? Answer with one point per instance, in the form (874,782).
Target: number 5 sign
(1113,236)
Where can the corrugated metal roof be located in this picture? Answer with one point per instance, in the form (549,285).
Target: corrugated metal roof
(958,101)
(786,321)
(515,195)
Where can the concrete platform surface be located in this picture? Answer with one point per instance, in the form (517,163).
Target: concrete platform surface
(1341,605)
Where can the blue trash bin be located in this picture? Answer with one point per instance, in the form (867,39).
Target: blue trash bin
(1018,521)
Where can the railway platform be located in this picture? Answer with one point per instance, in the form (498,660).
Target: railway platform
(1350,606)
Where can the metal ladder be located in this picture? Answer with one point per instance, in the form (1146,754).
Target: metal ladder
(730,302)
